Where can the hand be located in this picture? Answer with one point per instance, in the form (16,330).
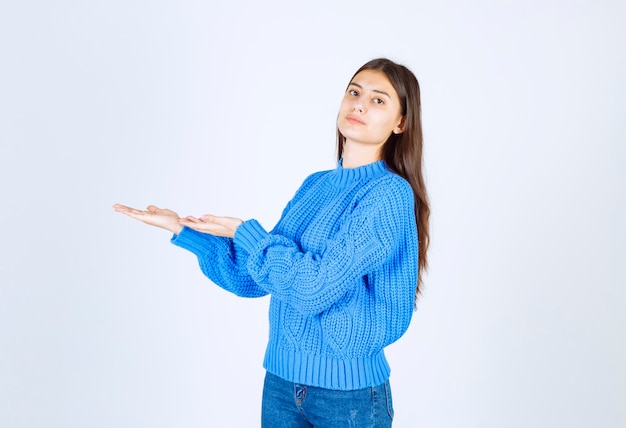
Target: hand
(154,216)
(214,225)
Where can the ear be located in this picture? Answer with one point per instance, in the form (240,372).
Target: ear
(400,128)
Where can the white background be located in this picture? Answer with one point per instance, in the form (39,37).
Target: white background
(225,108)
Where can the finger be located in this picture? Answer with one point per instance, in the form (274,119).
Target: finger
(137,214)
(209,218)
(224,222)
(190,219)
(120,207)
(128,210)
(201,226)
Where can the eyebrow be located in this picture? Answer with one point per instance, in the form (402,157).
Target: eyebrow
(373,90)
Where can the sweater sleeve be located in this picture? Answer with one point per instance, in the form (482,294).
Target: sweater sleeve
(221,260)
(312,282)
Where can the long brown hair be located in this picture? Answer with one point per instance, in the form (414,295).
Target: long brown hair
(403,152)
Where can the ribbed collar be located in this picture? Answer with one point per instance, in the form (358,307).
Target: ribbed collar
(344,176)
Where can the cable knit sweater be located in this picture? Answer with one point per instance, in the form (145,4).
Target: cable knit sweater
(341,269)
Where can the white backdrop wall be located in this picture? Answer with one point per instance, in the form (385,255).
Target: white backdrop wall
(225,108)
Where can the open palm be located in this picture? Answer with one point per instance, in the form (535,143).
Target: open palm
(154,216)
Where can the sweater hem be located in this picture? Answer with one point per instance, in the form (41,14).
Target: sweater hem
(327,371)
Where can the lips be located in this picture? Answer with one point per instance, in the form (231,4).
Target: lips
(355,120)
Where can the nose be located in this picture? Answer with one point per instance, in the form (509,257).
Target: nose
(358,106)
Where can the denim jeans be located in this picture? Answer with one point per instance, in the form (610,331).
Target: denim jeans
(290,405)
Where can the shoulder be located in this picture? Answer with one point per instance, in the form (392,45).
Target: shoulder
(389,187)
(316,176)
(387,200)
(309,184)
(312,179)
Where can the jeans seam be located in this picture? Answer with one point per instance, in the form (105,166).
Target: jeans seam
(389,399)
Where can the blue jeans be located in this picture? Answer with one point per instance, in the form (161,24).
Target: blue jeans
(290,405)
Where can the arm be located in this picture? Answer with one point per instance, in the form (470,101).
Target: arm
(218,257)
(369,238)
(221,260)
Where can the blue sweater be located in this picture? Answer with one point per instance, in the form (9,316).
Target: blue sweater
(341,268)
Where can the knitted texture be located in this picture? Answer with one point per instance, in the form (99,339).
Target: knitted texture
(341,269)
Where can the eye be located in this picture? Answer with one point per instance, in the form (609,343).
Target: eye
(378,101)
(353,92)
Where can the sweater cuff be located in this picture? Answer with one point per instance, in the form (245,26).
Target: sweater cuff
(192,240)
(249,234)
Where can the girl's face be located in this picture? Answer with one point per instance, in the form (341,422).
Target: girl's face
(370,110)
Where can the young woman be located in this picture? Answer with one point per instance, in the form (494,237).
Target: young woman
(342,266)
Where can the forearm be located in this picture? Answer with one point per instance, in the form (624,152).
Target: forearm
(220,261)
(312,283)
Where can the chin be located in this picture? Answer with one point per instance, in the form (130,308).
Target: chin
(350,132)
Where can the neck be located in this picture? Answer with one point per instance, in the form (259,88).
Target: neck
(355,155)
